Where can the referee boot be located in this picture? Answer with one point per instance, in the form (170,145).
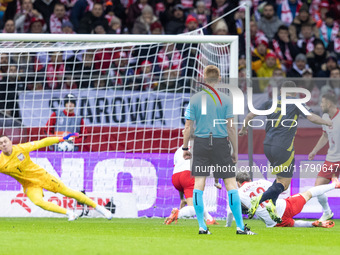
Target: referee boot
(72,216)
(201,231)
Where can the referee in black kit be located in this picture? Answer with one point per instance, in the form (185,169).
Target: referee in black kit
(211,149)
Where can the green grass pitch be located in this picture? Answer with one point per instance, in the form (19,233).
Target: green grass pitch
(149,236)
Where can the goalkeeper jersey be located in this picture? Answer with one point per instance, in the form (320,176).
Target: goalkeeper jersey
(20,166)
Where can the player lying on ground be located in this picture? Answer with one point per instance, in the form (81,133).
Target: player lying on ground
(330,135)
(184,183)
(279,146)
(15,161)
(286,208)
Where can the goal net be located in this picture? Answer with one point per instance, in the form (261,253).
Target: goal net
(130,93)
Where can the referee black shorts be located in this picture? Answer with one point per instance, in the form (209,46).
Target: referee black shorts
(212,155)
(281,160)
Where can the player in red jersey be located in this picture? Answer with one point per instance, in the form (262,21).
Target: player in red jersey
(331,135)
(184,183)
(286,208)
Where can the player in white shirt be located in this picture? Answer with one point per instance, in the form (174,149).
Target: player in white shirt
(330,135)
(286,208)
(184,183)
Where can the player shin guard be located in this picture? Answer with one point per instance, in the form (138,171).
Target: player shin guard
(186,212)
(322,189)
(324,202)
(235,206)
(272,193)
(199,208)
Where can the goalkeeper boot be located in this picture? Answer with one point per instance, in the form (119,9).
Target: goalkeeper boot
(173,217)
(271,208)
(201,231)
(323,224)
(72,216)
(106,213)
(326,216)
(254,204)
(246,231)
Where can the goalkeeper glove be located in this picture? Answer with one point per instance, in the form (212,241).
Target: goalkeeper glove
(68,137)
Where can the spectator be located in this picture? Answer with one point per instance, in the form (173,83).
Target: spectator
(220,7)
(166,9)
(101,82)
(67,28)
(37,26)
(120,74)
(220,28)
(10,85)
(334,46)
(303,18)
(9,27)
(78,11)
(95,16)
(66,121)
(169,58)
(23,17)
(317,57)
(331,63)
(134,11)
(254,34)
(201,13)
(319,10)
(55,70)
(98,28)
(305,44)
(288,9)
(114,8)
(57,18)
(299,65)
(258,55)
(284,49)
(156,28)
(268,67)
(332,84)
(329,29)
(191,24)
(146,76)
(266,70)
(68,82)
(143,22)
(84,69)
(115,26)
(177,24)
(308,83)
(46,8)
(269,23)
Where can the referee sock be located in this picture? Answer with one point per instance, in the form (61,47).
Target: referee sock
(199,208)
(273,192)
(235,206)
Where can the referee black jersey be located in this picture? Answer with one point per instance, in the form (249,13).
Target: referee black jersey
(281,129)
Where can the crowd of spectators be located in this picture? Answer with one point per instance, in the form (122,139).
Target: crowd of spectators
(289,38)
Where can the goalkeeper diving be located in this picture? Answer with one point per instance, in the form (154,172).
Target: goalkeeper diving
(15,161)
